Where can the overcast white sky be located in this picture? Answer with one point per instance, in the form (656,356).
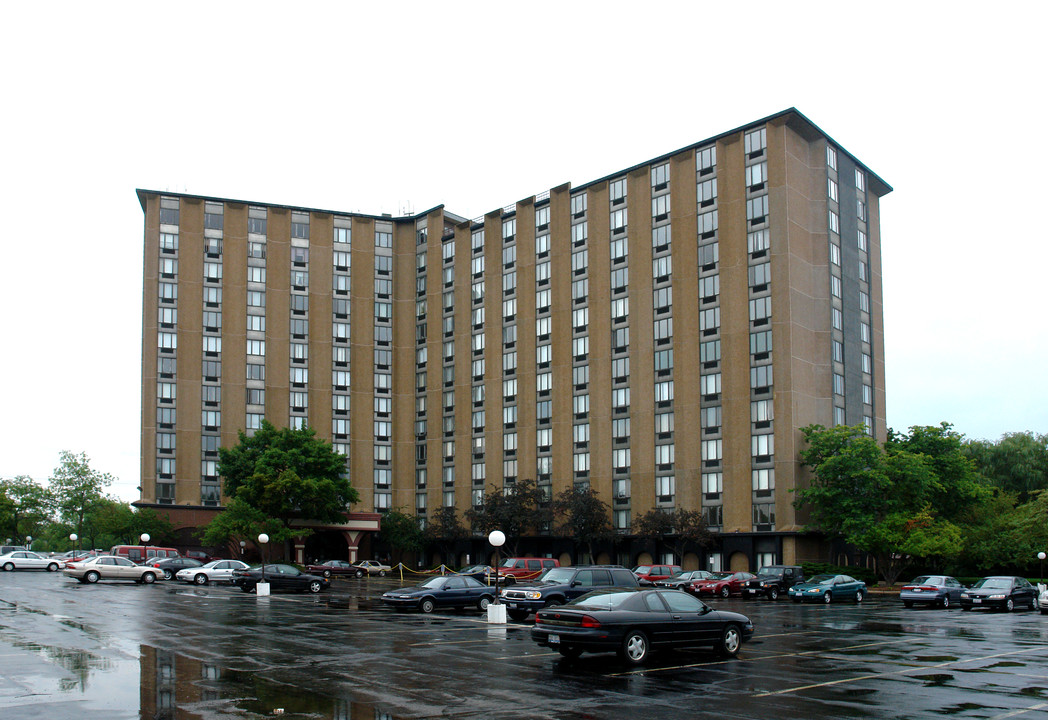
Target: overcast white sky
(387,107)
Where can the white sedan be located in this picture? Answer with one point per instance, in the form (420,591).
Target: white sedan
(214,571)
(27,560)
(110,567)
(1042,597)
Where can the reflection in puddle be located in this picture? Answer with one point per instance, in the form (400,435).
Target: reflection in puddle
(174,687)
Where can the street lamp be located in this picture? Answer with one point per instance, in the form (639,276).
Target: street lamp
(263,539)
(28,542)
(242,546)
(145,538)
(497,611)
(1041,556)
(74,538)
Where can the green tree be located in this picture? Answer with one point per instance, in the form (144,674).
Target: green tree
(1018,463)
(678,528)
(583,516)
(401,532)
(75,488)
(241,520)
(516,511)
(284,474)
(885,501)
(25,507)
(443,531)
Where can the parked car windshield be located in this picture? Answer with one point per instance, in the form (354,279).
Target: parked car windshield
(993,583)
(435,582)
(642,569)
(822,579)
(928,580)
(558,575)
(601,600)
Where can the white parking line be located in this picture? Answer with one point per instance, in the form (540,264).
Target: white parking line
(1015,713)
(872,676)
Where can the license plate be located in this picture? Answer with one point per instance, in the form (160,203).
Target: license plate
(976,600)
(916,590)
(554,640)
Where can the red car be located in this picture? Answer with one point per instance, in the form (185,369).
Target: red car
(648,574)
(724,584)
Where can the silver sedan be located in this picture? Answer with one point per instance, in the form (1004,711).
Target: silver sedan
(110,567)
(27,560)
(214,571)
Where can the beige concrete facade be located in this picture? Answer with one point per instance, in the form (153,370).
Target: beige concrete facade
(711,441)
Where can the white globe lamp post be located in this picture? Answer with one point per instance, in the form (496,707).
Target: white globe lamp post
(262,588)
(76,550)
(496,610)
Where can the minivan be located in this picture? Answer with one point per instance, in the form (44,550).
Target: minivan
(138,553)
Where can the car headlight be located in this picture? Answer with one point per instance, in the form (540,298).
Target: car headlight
(813,590)
(533,595)
(998,597)
(964,595)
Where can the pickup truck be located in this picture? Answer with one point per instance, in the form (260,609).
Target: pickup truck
(773,580)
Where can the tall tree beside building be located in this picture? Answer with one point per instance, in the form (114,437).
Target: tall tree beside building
(583,516)
(24,507)
(515,511)
(285,475)
(75,488)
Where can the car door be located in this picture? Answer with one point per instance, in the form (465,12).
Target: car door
(689,625)
(125,569)
(954,589)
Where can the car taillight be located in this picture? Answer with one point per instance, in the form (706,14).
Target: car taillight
(929,588)
(908,587)
(538,620)
(588,621)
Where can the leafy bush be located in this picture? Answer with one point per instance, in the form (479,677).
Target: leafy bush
(867,575)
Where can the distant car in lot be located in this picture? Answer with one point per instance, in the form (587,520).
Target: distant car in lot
(934,590)
(280,577)
(27,560)
(633,622)
(110,567)
(683,579)
(828,588)
(481,573)
(170,566)
(648,574)
(773,580)
(1042,598)
(330,568)
(216,571)
(200,555)
(371,567)
(515,569)
(456,591)
(1002,592)
(724,584)
(560,584)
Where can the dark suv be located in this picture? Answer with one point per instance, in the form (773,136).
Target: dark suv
(559,585)
(773,580)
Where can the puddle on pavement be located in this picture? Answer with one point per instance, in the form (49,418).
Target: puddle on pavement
(164,685)
(935,658)
(934,679)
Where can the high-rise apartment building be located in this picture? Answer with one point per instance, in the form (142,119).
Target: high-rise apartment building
(660,335)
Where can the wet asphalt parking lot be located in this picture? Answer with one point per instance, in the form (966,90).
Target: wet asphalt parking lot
(170,650)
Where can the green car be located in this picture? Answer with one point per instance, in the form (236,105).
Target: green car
(827,588)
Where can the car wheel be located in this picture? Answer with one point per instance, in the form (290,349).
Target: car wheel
(484,601)
(427,605)
(946,601)
(149,578)
(827,598)
(53,567)
(168,574)
(247,588)
(1034,603)
(773,594)
(509,581)
(908,603)
(200,579)
(725,592)
(360,573)
(634,647)
(8,567)
(571,653)
(315,586)
(92,576)
(730,641)
(859,596)
(382,573)
(518,615)
(327,573)
(1009,605)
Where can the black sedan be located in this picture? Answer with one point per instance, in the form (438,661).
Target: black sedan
(1003,592)
(280,577)
(169,567)
(633,622)
(456,591)
(932,590)
(333,567)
